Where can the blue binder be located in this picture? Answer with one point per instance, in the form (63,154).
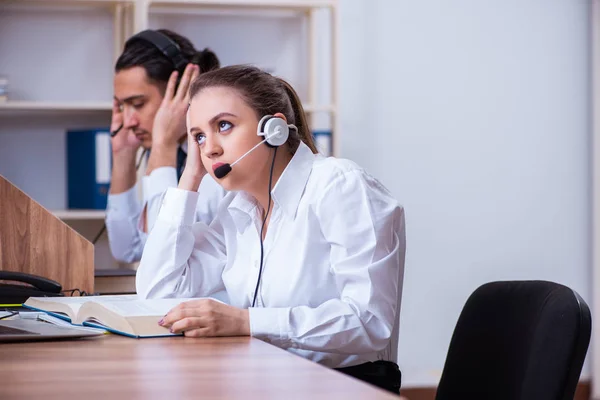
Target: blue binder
(88,168)
(323,142)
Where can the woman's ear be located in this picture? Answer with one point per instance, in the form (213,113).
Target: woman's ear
(280,115)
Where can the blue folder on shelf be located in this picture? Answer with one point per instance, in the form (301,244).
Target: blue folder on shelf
(323,142)
(88,168)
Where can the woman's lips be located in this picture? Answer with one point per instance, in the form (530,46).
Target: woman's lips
(216,165)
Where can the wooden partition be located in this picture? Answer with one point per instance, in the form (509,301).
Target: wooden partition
(34,241)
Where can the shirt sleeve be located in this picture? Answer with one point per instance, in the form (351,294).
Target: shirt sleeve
(211,195)
(154,186)
(364,226)
(126,242)
(159,180)
(181,258)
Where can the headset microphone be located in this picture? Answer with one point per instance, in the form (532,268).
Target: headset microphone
(276,132)
(223,170)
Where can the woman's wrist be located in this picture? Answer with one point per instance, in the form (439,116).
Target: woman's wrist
(190,182)
(245,324)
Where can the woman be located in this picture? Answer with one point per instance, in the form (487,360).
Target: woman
(310,250)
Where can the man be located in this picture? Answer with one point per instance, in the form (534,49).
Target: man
(152,77)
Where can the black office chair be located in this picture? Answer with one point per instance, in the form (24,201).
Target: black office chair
(518,340)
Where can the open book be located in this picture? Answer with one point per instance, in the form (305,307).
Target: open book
(124,315)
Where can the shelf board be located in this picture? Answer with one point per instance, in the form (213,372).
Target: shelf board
(226,12)
(79,214)
(272,4)
(248,4)
(33,106)
(309,108)
(67,2)
(12,107)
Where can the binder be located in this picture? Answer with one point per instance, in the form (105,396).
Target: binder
(88,168)
(323,142)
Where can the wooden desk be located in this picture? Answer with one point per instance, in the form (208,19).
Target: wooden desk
(113,367)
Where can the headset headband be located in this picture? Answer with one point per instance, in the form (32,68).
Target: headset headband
(164,44)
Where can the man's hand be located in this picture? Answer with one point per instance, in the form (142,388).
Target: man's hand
(121,139)
(124,146)
(169,123)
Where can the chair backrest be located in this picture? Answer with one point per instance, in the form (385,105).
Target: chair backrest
(517,340)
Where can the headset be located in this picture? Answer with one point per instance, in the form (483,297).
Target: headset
(166,46)
(276,132)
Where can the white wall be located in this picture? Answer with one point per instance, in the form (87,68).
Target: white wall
(476,115)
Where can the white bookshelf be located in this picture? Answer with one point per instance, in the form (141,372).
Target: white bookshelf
(60,3)
(237,5)
(11,108)
(309,108)
(73,215)
(317,33)
(99,107)
(55,106)
(64,81)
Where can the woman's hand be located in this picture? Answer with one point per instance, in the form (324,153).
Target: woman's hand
(194,170)
(207,317)
(169,121)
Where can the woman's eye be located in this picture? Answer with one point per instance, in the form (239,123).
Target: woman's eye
(200,138)
(224,126)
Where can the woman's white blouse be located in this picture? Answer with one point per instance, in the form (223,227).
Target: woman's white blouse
(126,235)
(333,259)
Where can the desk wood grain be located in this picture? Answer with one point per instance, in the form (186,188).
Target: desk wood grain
(34,241)
(113,367)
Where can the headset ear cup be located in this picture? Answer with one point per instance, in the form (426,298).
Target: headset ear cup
(276,131)
(262,123)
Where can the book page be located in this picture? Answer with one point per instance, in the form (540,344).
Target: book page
(73,303)
(46,303)
(141,308)
(118,297)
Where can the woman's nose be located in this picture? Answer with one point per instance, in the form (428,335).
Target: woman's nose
(212,148)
